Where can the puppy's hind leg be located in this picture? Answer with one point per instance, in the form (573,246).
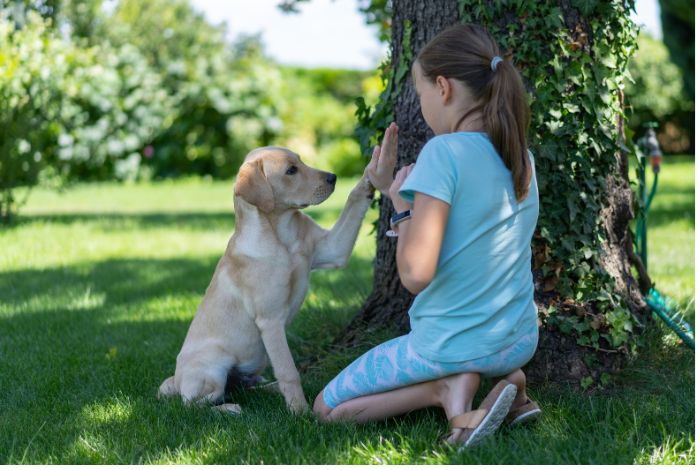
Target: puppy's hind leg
(167,388)
(203,388)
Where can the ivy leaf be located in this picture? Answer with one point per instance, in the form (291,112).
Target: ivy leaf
(609,61)
(586,382)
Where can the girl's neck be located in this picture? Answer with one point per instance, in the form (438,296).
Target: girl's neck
(470,123)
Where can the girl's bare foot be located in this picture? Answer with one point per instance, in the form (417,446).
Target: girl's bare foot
(456,393)
(517,378)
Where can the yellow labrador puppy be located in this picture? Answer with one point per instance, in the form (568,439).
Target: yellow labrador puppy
(262,278)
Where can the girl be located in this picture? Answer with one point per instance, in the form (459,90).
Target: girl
(465,215)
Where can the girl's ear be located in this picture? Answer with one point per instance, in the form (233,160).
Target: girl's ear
(445,87)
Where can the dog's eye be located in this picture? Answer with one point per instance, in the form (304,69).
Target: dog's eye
(292,170)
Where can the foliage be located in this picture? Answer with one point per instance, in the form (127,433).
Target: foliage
(223,104)
(112,106)
(371,122)
(72,111)
(317,111)
(343,85)
(84,19)
(150,89)
(76,111)
(654,91)
(28,95)
(48,9)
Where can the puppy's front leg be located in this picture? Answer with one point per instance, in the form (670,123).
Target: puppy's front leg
(275,341)
(334,247)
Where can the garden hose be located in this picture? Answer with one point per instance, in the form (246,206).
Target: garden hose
(668,311)
(641,233)
(664,307)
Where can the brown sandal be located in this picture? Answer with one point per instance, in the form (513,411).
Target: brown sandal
(524,413)
(483,421)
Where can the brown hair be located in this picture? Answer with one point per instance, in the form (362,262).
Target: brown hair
(465,52)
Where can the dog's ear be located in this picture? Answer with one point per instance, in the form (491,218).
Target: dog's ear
(252,185)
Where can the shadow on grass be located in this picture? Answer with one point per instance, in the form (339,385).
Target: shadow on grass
(662,213)
(85,347)
(661,217)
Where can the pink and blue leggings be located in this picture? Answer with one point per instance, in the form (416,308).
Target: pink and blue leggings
(395,364)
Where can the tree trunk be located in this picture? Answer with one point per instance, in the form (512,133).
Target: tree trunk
(560,357)
(388,303)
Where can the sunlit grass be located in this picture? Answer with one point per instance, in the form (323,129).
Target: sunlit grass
(97,289)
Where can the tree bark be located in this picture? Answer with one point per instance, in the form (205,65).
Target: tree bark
(559,357)
(388,303)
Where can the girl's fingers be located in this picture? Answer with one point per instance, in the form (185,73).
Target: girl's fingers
(403,173)
(390,140)
(375,157)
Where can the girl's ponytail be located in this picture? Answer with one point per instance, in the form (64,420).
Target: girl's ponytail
(469,53)
(506,117)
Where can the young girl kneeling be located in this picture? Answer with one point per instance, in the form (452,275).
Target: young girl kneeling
(465,215)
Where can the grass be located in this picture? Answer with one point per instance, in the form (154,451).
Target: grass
(671,232)
(98,286)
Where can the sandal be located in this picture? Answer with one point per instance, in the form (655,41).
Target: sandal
(525,413)
(483,421)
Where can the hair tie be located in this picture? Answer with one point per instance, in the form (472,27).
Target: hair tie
(495,61)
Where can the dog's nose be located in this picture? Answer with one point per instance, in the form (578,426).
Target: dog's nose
(330,178)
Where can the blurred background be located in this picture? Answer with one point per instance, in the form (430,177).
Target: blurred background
(152,89)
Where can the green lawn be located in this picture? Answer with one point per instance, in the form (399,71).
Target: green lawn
(98,286)
(671,231)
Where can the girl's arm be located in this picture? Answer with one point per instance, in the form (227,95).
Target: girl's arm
(420,237)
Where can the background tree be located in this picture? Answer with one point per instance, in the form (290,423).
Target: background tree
(573,56)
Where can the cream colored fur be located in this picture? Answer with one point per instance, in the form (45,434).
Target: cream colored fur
(261,280)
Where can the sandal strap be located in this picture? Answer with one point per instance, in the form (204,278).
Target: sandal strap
(528,406)
(468,420)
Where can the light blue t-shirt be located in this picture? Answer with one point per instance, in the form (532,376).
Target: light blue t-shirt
(481,299)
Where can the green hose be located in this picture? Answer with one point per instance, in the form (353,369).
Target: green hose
(668,311)
(664,307)
(641,233)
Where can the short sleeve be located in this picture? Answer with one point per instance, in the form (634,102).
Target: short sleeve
(435,173)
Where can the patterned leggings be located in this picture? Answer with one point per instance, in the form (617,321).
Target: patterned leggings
(395,364)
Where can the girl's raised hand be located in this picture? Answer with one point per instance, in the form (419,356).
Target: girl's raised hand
(381,168)
(400,204)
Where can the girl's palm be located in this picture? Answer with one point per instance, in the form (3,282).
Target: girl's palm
(381,168)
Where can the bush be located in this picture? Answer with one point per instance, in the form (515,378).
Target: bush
(343,157)
(151,89)
(31,66)
(318,113)
(224,102)
(113,105)
(82,112)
